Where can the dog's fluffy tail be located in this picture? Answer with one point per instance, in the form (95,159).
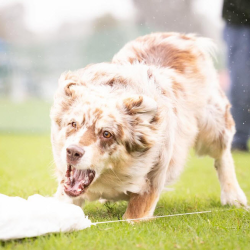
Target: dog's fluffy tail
(207,46)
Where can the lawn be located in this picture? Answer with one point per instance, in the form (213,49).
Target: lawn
(26,167)
(30,116)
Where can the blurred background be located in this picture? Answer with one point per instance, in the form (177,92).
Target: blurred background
(41,39)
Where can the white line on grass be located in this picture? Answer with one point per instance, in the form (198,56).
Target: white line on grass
(162,216)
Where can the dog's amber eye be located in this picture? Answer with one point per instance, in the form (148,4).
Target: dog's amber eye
(107,134)
(73,124)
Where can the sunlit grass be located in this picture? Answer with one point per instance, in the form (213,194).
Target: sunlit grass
(30,116)
(26,167)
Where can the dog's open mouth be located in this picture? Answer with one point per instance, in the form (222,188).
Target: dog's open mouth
(77,180)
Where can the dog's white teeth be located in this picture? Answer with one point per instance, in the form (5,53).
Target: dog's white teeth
(79,190)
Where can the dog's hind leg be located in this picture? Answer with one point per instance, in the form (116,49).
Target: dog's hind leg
(231,193)
(214,139)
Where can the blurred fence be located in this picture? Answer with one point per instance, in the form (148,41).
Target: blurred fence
(33,69)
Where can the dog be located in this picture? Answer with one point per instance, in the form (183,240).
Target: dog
(123,130)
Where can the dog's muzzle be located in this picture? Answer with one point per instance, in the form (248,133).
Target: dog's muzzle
(77,180)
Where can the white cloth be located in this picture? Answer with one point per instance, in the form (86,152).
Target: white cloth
(20,218)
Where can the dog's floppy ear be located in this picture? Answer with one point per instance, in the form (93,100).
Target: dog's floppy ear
(140,104)
(67,81)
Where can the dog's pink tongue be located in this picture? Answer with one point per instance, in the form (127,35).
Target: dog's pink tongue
(78,182)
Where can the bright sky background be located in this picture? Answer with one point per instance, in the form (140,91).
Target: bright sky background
(211,9)
(47,15)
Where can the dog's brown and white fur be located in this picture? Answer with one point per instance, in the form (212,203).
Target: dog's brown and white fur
(158,98)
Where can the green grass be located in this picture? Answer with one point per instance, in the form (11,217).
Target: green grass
(31,116)
(26,168)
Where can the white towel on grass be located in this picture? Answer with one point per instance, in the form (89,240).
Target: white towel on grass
(20,218)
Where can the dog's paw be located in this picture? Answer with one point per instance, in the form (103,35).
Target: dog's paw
(103,201)
(136,220)
(234,198)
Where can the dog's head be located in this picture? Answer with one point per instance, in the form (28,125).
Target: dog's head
(97,126)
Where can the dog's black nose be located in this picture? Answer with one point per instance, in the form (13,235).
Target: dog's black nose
(74,154)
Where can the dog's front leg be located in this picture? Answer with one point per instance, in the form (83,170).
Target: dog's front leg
(141,205)
(60,195)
